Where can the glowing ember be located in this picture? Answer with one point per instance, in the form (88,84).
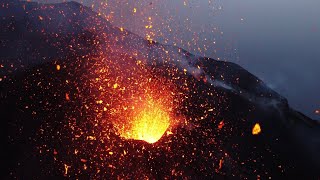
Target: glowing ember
(256,129)
(150,123)
(221,124)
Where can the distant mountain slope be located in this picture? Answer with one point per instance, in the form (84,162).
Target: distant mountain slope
(56,58)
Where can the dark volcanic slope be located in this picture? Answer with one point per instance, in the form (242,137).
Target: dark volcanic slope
(58,66)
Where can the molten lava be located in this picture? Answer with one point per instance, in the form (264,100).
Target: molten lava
(137,100)
(256,129)
(149,124)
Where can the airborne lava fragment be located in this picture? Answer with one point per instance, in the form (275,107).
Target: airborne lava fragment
(256,129)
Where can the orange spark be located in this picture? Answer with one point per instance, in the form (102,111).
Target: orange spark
(83,160)
(91,138)
(55,152)
(256,129)
(66,168)
(58,67)
(220,163)
(221,124)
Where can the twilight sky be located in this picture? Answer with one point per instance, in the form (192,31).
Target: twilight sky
(276,40)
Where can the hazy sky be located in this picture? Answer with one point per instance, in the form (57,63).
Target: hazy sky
(277,40)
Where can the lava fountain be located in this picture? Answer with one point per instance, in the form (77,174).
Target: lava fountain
(139,103)
(149,124)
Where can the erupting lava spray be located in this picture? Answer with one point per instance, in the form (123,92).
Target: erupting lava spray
(139,103)
(149,123)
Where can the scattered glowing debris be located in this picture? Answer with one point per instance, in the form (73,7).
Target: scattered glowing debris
(140,108)
(221,124)
(169,133)
(67,97)
(55,152)
(66,168)
(256,129)
(221,163)
(111,166)
(91,138)
(185,71)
